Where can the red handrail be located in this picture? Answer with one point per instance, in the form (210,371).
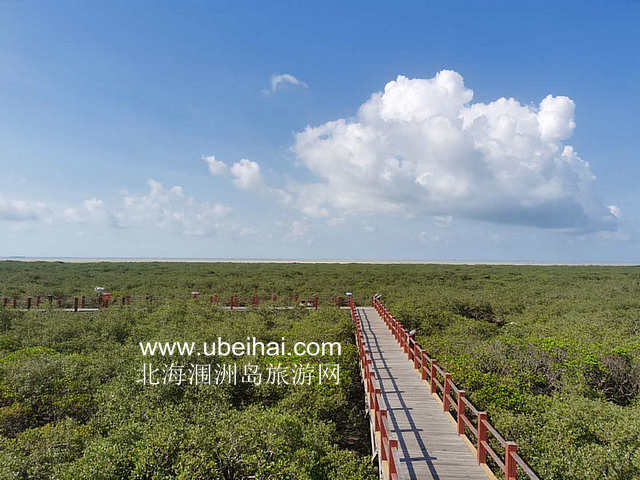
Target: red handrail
(105,299)
(455,399)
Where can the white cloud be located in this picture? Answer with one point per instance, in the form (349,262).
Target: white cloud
(170,208)
(421,148)
(555,117)
(246,175)
(282,79)
(21,210)
(216,167)
(161,207)
(91,210)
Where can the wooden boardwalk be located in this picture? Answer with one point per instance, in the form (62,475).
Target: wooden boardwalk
(429,446)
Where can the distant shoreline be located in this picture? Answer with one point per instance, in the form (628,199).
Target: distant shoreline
(303,261)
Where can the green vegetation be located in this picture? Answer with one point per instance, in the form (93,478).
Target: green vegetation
(552,353)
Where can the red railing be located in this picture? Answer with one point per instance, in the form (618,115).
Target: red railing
(468,418)
(106,299)
(386,447)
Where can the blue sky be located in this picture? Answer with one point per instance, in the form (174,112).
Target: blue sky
(109,112)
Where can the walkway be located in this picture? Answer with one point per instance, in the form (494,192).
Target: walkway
(429,446)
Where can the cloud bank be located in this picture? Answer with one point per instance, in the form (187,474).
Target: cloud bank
(170,209)
(421,148)
(161,207)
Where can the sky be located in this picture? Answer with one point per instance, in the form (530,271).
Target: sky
(478,131)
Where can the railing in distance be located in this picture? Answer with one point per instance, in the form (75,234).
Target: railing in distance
(105,300)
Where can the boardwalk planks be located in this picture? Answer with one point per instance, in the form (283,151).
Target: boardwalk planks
(429,446)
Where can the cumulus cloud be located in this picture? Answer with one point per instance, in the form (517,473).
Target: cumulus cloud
(246,175)
(421,147)
(169,208)
(216,167)
(277,80)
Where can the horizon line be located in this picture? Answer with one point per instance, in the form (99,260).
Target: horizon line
(70,259)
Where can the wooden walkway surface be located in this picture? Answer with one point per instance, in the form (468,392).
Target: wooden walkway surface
(428,444)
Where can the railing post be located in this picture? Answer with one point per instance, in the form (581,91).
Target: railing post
(59,302)
(315,302)
(482,437)
(376,407)
(128,299)
(383,452)
(447,392)
(28,303)
(370,387)
(38,301)
(15,302)
(415,354)
(83,301)
(461,411)
(393,468)
(75,304)
(424,365)
(434,388)
(510,471)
